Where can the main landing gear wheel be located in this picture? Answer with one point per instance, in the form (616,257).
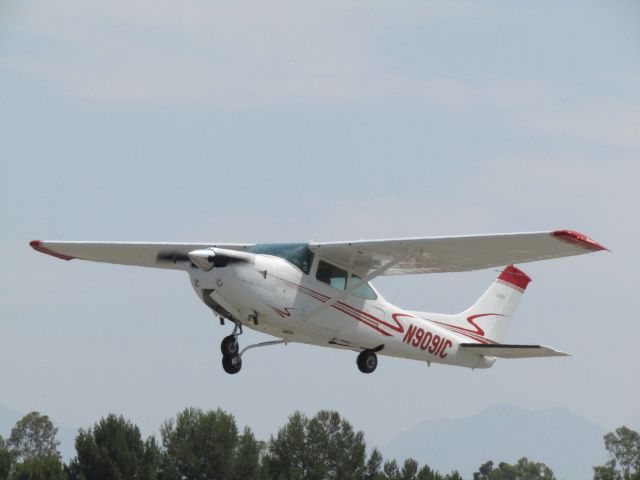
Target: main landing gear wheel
(367,361)
(232,364)
(231,361)
(229,346)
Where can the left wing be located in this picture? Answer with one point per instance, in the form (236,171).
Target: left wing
(513,351)
(453,254)
(144,254)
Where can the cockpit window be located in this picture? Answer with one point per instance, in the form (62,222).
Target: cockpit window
(334,276)
(363,291)
(297,254)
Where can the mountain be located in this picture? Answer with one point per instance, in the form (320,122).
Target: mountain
(66,435)
(567,443)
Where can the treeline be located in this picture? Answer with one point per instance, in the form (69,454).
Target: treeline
(199,445)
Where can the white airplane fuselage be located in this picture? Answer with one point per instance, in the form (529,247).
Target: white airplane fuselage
(272,296)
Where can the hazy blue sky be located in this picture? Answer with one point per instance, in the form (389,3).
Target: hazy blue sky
(282,121)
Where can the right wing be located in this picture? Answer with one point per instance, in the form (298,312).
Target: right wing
(513,351)
(143,254)
(406,256)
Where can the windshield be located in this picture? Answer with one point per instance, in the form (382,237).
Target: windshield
(297,254)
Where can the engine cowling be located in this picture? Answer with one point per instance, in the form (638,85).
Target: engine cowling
(207,258)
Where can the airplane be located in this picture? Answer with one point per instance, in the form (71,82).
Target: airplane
(320,293)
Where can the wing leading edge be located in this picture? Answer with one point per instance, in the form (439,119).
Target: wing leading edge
(455,254)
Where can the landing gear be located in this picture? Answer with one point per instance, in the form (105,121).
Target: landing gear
(232,364)
(229,346)
(231,361)
(367,361)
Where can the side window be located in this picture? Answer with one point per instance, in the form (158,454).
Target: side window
(334,276)
(363,291)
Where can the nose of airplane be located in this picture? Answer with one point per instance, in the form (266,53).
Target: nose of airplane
(203,259)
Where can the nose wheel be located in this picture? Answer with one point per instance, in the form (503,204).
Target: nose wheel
(231,360)
(367,361)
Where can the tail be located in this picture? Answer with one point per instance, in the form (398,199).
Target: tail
(487,320)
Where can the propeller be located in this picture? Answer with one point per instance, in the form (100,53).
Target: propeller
(206,258)
(172,257)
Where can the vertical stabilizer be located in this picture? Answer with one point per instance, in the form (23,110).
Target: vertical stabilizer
(486,321)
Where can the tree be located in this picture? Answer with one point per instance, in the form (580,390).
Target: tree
(205,445)
(391,470)
(373,468)
(324,447)
(455,475)
(286,453)
(34,435)
(247,457)
(5,460)
(523,469)
(40,468)
(338,451)
(426,473)
(624,448)
(112,450)
(484,471)
(409,469)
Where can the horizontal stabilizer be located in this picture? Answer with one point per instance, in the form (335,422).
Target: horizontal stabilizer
(513,351)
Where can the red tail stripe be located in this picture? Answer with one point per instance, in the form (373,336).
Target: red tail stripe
(515,277)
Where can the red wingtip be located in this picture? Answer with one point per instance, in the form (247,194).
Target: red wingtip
(37,246)
(579,239)
(515,277)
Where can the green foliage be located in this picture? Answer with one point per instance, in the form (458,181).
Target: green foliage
(5,460)
(323,447)
(112,450)
(522,470)
(409,469)
(40,468)
(391,470)
(34,435)
(247,457)
(453,476)
(373,468)
(206,445)
(624,448)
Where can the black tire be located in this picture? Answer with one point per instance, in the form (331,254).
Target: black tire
(232,365)
(367,361)
(229,346)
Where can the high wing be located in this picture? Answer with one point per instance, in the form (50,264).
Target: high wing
(157,255)
(513,351)
(453,254)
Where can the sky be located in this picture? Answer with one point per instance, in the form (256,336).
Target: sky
(297,121)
